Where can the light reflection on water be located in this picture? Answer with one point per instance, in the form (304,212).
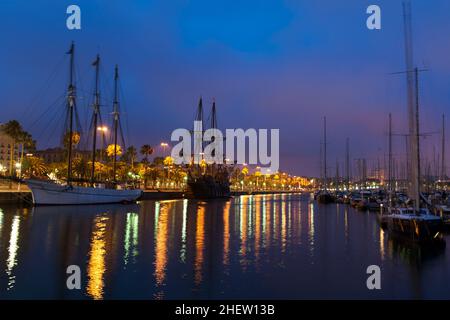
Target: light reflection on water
(260,246)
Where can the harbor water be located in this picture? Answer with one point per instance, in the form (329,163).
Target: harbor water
(283,246)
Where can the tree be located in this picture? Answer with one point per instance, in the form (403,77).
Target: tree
(146,150)
(34,167)
(168,161)
(158,161)
(75,139)
(130,155)
(110,150)
(80,167)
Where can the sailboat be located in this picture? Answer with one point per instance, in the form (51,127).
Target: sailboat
(324,196)
(414,223)
(211,181)
(46,192)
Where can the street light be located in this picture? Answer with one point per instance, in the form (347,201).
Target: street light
(164,145)
(103,130)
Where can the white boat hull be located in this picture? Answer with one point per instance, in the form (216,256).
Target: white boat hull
(49,193)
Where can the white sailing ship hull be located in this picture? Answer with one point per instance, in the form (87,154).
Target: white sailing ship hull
(49,193)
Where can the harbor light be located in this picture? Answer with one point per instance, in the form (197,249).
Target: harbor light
(102,128)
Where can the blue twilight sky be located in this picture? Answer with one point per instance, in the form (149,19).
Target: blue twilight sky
(269,64)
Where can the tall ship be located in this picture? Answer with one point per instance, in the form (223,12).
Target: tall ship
(206,180)
(72,191)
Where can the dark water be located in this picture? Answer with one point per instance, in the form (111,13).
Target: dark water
(268,246)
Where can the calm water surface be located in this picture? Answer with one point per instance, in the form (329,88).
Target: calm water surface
(265,246)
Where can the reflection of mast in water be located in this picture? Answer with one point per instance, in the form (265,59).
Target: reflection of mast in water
(96,264)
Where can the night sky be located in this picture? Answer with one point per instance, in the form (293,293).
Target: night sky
(268,64)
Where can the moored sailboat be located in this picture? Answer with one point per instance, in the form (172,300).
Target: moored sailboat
(415,222)
(48,192)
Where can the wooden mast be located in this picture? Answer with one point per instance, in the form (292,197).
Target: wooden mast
(96,106)
(325,151)
(116,119)
(71,105)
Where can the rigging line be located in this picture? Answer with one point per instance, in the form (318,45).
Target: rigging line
(121,136)
(55,128)
(57,100)
(50,121)
(43,89)
(123,108)
(106,86)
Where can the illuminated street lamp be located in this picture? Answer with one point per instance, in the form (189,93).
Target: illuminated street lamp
(164,145)
(103,130)
(19,169)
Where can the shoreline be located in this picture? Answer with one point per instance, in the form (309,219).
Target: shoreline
(24,196)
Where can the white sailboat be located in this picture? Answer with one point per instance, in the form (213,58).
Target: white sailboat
(47,192)
(51,193)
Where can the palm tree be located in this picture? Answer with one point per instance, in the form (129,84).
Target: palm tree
(130,156)
(14,130)
(146,150)
(26,142)
(34,167)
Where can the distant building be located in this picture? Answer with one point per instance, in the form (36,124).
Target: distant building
(6,143)
(51,155)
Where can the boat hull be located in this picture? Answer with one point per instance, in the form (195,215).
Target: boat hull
(205,189)
(420,229)
(49,193)
(325,198)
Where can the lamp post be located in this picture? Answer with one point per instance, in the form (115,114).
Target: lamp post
(164,145)
(103,130)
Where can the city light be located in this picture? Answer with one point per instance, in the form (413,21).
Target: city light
(102,128)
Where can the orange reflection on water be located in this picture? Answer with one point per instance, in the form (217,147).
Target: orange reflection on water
(226,233)
(257,227)
(96,265)
(268,214)
(199,244)
(283,226)
(161,236)
(382,248)
(243,225)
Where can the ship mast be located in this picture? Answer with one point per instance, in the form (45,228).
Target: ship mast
(417,142)
(71,105)
(347,162)
(390,160)
(325,152)
(96,106)
(213,116)
(443,173)
(198,133)
(116,119)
